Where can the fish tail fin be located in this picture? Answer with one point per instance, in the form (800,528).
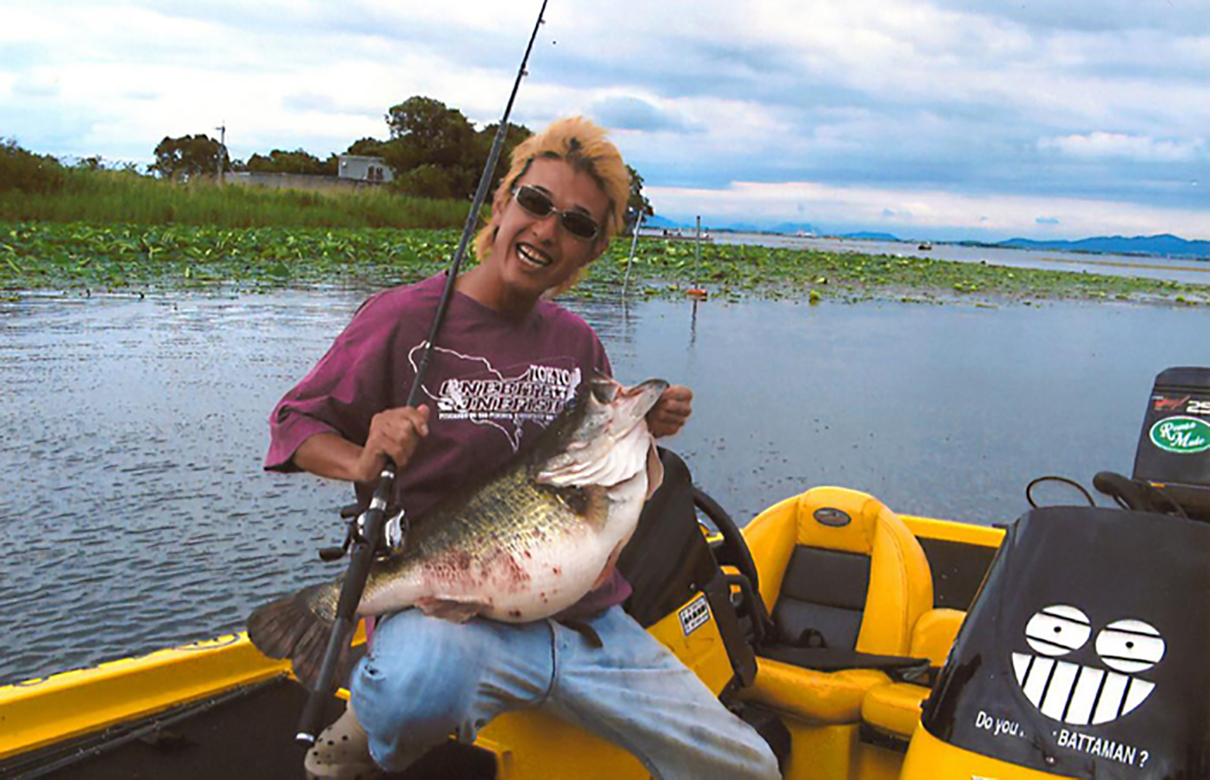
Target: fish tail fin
(298,627)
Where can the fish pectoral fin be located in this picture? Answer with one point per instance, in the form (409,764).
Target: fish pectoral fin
(453,610)
(655,470)
(610,564)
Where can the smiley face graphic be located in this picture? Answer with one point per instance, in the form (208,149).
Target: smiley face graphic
(1080,694)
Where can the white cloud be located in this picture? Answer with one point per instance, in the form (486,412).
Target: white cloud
(1100,145)
(909,98)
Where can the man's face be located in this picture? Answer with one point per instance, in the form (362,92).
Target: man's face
(533,254)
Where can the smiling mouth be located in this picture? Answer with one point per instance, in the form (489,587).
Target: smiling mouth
(533,256)
(1078,694)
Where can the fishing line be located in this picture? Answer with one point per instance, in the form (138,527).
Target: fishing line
(369,526)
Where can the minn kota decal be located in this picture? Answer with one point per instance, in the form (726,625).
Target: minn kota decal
(1076,693)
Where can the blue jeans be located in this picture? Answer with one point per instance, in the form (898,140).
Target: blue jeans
(426,678)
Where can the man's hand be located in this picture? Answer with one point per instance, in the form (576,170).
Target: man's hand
(394,434)
(669,414)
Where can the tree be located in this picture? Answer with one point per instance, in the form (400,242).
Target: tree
(26,171)
(428,181)
(425,131)
(513,136)
(637,203)
(93,163)
(188,156)
(297,161)
(367,147)
(435,133)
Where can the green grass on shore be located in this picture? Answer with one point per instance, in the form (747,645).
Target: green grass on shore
(113,197)
(140,258)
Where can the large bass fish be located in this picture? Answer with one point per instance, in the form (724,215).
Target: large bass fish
(525,543)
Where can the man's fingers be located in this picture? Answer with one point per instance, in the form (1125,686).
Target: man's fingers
(396,433)
(417,417)
(677,409)
(671,412)
(676,402)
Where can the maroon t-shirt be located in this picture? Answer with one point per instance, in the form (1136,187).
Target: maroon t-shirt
(492,385)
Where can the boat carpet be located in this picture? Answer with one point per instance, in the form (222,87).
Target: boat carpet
(247,734)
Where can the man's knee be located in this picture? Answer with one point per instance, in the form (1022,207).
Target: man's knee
(418,681)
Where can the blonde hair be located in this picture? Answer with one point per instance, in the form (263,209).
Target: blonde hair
(582,144)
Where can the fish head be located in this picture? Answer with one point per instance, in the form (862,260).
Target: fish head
(612,410)
(604,439)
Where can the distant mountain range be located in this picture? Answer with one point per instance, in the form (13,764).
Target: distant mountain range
(867,236)
(1163,245)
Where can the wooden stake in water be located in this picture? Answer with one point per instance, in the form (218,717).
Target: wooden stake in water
(634,243)
(697,254)
(696,290)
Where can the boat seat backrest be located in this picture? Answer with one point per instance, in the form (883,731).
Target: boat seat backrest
(822,598)
(833,552)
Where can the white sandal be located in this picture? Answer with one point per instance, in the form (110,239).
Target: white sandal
(342,752)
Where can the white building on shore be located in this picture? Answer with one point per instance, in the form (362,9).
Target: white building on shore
(355,167)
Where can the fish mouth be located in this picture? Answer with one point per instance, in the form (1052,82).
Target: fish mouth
(631,404)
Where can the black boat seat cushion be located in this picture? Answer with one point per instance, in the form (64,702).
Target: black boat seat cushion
(822,598)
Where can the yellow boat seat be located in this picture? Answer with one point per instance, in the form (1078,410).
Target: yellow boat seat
(840,574)
(894,709)
(934,634)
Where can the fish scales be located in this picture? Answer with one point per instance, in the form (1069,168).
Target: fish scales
(501,553)
(524,543)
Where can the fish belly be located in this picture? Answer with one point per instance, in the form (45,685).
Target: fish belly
(512,583)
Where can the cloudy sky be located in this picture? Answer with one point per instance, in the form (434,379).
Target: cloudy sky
(941,119)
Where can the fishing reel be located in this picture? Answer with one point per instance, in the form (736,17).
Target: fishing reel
(390,542)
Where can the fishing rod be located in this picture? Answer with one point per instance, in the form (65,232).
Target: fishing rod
(634,244)
(367,532)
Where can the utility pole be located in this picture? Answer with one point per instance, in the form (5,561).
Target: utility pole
(222,151)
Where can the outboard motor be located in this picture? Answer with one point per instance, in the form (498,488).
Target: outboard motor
(1174,446)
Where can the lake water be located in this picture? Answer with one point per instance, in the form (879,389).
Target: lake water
(135,514)
(1185,270)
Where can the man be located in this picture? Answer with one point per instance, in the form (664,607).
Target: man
(425,678)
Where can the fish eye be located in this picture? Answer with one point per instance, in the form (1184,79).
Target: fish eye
(1130,646)
(1058,630)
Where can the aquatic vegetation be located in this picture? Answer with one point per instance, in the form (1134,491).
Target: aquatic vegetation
(736,271)
(137,258)
(134,258)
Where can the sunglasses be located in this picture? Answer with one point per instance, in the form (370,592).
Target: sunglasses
(538,204)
